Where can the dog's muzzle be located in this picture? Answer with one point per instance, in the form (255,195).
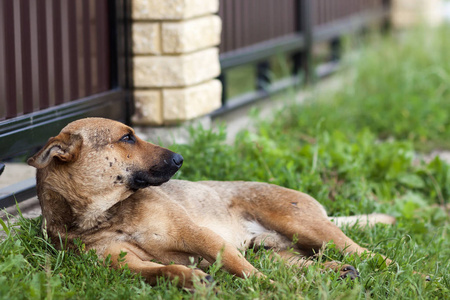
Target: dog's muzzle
(157,174)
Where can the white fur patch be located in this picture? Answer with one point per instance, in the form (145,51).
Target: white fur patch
(255,228)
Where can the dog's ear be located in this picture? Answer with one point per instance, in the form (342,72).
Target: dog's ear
(65,147)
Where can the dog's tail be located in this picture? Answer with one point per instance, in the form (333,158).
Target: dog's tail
(363,220)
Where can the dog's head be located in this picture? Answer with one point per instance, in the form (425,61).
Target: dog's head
(99,157)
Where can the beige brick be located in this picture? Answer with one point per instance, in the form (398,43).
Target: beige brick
(172,9)
(188,103)
(406,13)
(176,71)
(148,108)
(146,38)
(416,5)
(190,35)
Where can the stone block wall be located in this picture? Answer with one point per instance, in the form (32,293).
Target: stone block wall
(175,60)
(407,13)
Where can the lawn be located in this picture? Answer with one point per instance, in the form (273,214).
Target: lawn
(356,149)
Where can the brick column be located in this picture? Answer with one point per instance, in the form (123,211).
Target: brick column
(175,60)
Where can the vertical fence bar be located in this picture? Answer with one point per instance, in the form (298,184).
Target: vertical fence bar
(222,32)
(93,57)
(7,61)
(3,68)
(263,76)
(123,42)
(229,36)
(386,22)
(103,45)
(302,60)
(65,51)
(25,41)
(50,52)
(80,54)
(33,68)
(335,49)
(237,24)
(246,11)
(263,33)
(57,53)
(2,64)
(73,46)
(42,70)
(112,10)
(223,80)
(18,59)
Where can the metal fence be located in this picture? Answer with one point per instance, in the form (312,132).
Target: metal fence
(326,11)
(54,52)
(256,30)
(249,22)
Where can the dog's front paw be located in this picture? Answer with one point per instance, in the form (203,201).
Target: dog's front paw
(206,280)
(198,280)
(187,277)
(345,271)
(198,277)
(348,271)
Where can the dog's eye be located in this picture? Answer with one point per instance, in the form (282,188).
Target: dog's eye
(128,138)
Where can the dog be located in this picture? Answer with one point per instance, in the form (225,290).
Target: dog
(98,182)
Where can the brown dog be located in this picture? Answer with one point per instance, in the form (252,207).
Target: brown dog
(98,182)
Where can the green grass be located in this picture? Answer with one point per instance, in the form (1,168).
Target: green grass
(398,87)
(354,150)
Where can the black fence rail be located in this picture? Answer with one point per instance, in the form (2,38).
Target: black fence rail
(253,31)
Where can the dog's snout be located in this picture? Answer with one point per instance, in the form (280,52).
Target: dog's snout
(177,160)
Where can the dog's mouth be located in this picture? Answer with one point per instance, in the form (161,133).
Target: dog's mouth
(142,179)
(157,174)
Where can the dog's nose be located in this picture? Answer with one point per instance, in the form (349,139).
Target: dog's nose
(177,160)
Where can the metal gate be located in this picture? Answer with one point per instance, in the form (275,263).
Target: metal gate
(256,30)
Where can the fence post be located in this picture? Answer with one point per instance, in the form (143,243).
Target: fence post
(302,60)
(262,75)
(336,49)
(386,23)
(223,79)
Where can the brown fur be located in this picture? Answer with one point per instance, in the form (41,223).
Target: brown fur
(98,182)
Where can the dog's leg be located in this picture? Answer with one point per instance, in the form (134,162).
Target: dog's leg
(211,246)
(294,259)
(312,236)
(298,217)
(151,271)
